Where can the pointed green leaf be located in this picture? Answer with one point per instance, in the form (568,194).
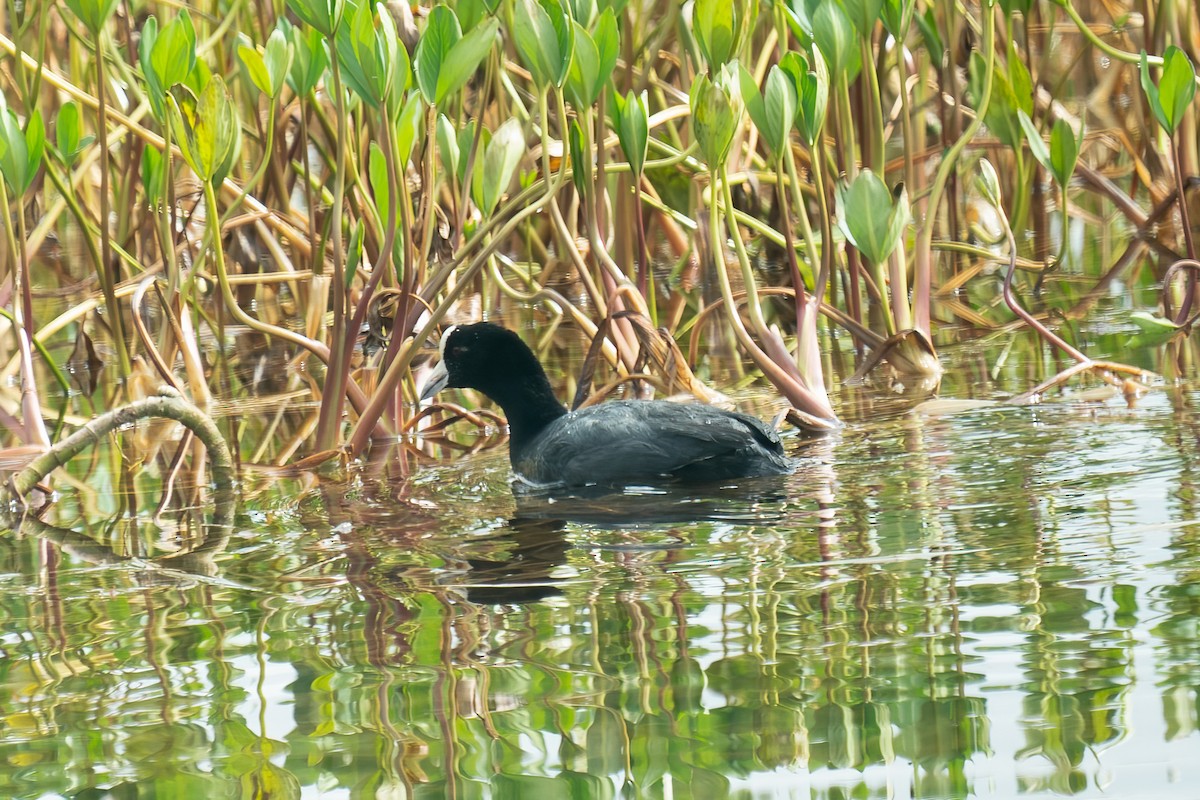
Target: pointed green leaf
(377,173)
(278,60)
(256,68)
(309,59)
(1064,150)
(633,128)
(544,39)
(585,67)
(715,25)
(408,126)
(864,14)
(174,51)
(92,13)
(67,131)
(871,219)
(442,32)
(500,162)
(465,57)
(1037,146)
(323,15)
(834,35)
(578,173)
(1176,88)
(447,142)
(715,113)
(608,44)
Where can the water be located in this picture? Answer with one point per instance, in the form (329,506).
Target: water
(988,604)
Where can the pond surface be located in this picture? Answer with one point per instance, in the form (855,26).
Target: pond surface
(993,603)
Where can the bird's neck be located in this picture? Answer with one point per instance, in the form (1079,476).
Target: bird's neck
(529,408)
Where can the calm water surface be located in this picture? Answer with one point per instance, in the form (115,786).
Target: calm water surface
(996,603)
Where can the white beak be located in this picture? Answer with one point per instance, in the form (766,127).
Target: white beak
(435,381)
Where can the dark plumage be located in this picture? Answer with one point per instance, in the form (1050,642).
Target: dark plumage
(615,443)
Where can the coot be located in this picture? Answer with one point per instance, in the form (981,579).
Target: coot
(618,443)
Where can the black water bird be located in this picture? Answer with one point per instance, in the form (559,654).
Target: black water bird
(619,443)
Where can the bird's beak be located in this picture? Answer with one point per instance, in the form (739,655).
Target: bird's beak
(435,381)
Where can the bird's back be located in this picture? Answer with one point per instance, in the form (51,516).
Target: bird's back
(631,441)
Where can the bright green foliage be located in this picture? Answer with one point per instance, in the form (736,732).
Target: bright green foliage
(543,35)
(20,150)
(92,13)
(633,128)
(408,126)
(268,71)
(206,129)
(1060,157)
(872,219)
(167,58)
(445,58)
(494,172)
(716,110)
(375,66)
(68,129)
(833,33)
(812,89)
(1176,88)
(716,25)
(447,145)
(579,175)
(309,58)
(863,13)
(1010,92)
(773,111)
(323,15)
(594,60)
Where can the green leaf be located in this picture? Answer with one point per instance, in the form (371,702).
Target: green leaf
(585,66)
(833,33)
(408,126)
(447,142)
(152,167)
(1019,79)
(543,37)
(92,13)
(715,111)
(20,150)
(1155,329)
(864,14)
(173,54)
(309,59)
(1175,91)
(608,44)
(378,175)
(206,129)
(68,128)
(1037,146)
(500,162)
(579,175)
(442,32)
(892,13)
(1064,150)
(870,217)
(633,128)
(465,57)
(278,59)
(256,68)
(1001,116)
(774,111)
(323,15)
(812,90)
(715,24)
